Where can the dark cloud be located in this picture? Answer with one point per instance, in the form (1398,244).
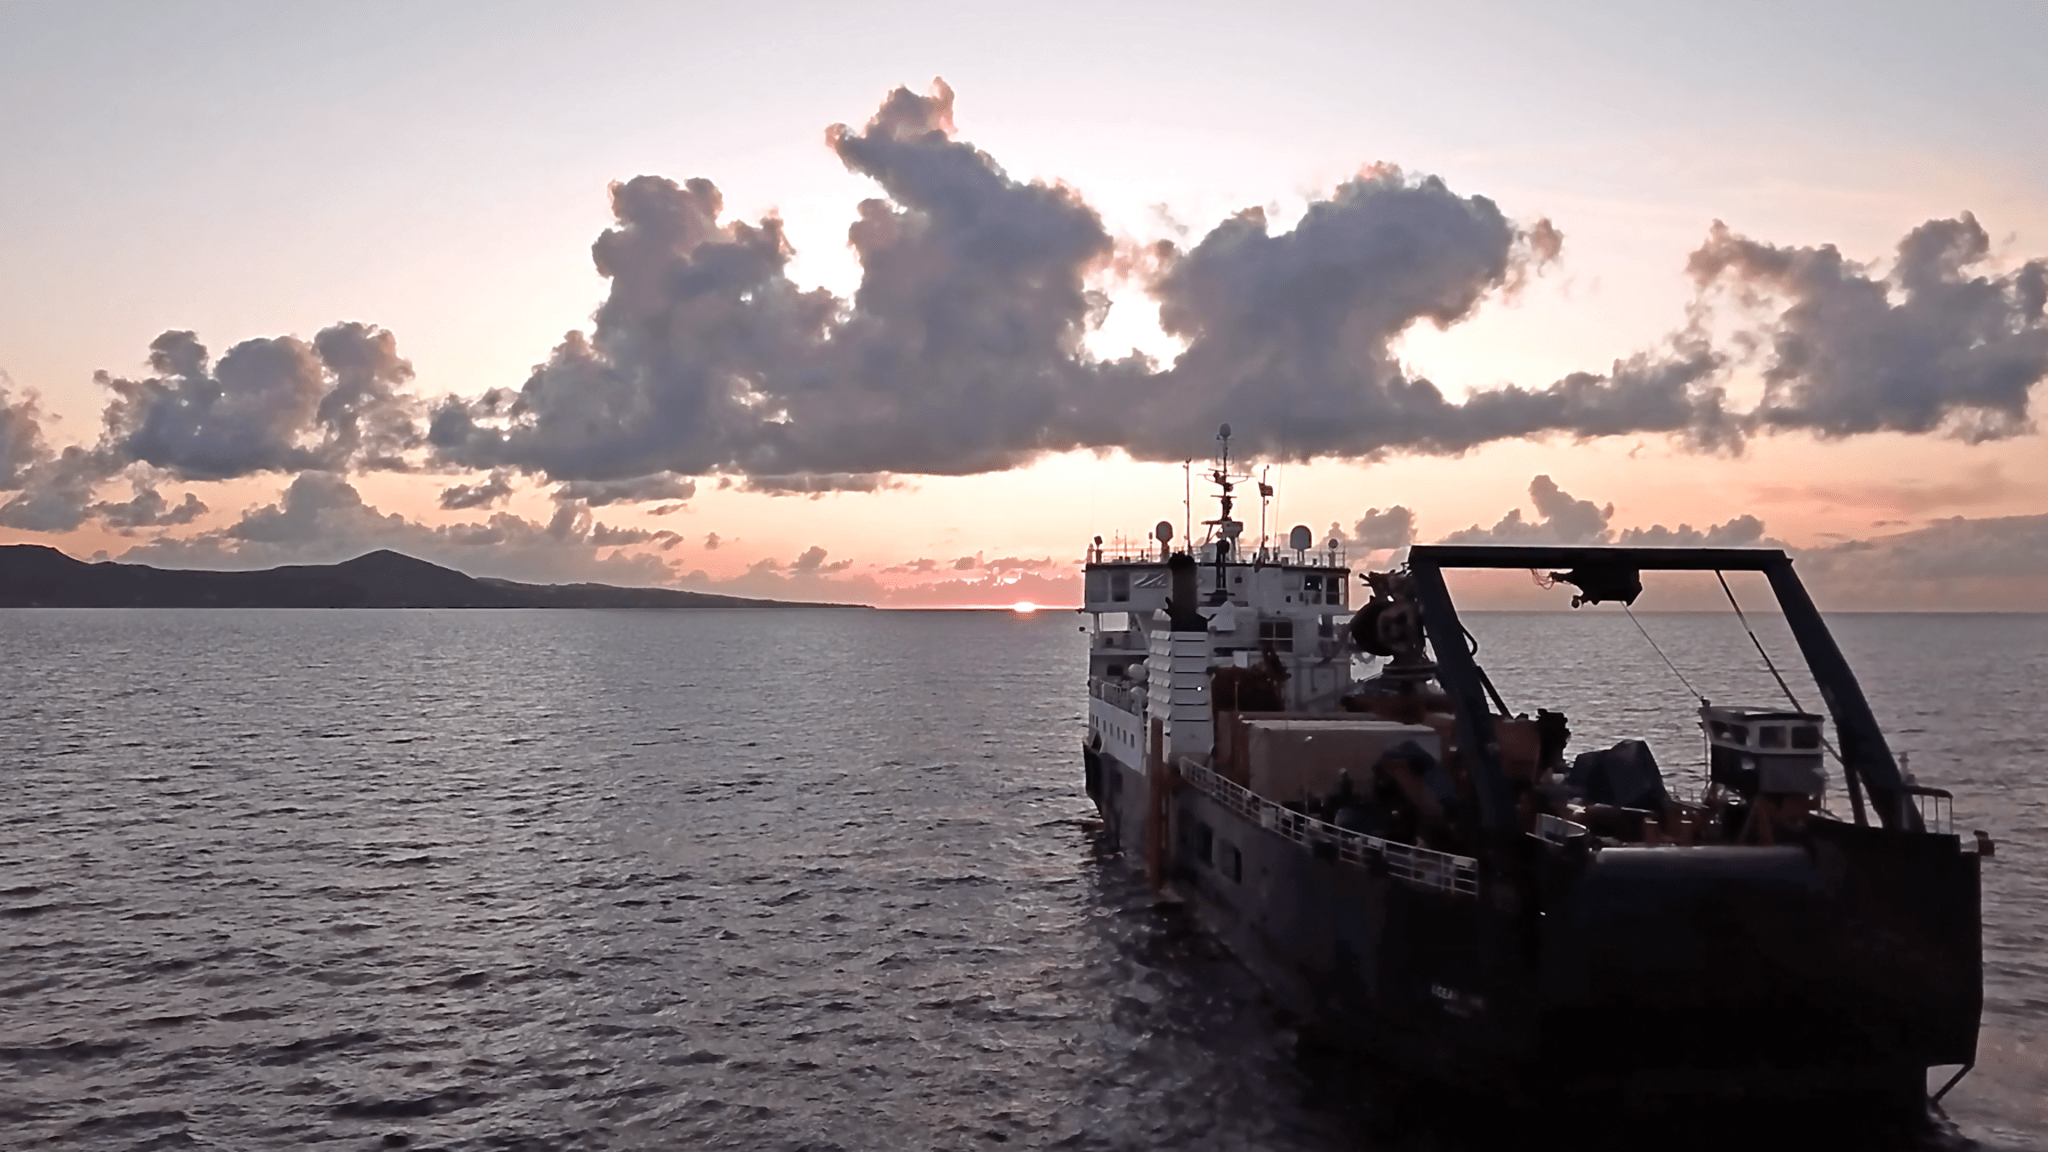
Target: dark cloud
(687,360)
(1377,530)
(1290,336)
(815,484)
(1986,565)
(813,561)
(1931,347)
(495,488)
(270,405)
(607,536)
(1740,532)
(21,436)
(52,489)
(962,350)
(56,491)
(1018,564)
(148,509)
(1562,518)
(318,506)
(711,541)
(637,490)
(956,354)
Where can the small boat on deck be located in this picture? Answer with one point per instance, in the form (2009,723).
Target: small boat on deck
(1421,876)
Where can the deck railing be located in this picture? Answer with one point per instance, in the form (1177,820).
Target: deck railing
(1458,875)
(1129,697)
(1937,807)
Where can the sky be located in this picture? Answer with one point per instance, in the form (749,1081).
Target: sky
(903,303)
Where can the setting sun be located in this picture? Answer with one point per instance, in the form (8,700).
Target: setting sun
(1023,606)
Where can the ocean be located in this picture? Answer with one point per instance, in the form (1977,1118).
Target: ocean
(762,880)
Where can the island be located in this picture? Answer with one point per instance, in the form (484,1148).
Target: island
(37,576)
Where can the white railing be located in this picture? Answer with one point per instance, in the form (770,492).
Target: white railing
(1937,808)
(1130,698)
(1458,875)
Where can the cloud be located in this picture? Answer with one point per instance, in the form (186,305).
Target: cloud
(52,490)
(711,541)
(21,436)
(700,330)
(962,349)
(321,518)
(638,490)
(1018,564)
(1739,532)
(974,563)
(1290,336)
(1983,565)
(1930,347)
(816,484)
(813,561)
(1377,530)
(1562,518)
(56,491)
(497,487)
(148,509)
(270,405)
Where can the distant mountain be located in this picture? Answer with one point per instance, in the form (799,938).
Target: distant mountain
(35,576)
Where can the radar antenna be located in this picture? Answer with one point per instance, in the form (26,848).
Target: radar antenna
(1265,501)
(1224,530)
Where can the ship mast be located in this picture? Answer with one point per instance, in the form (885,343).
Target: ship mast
(1225,530)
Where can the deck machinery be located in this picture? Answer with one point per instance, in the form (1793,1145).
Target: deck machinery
(1524,937)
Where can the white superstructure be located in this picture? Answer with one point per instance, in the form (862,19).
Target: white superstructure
(1150,658)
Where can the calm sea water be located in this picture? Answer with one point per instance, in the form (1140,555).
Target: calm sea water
(533,880)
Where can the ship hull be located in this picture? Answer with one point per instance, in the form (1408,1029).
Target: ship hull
(1844,969)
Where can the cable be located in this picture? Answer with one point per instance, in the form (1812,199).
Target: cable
(1849,775)
(1660,652)
(1759,645)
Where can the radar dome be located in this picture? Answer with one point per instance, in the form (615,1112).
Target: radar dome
(1163,532)
(1301,539)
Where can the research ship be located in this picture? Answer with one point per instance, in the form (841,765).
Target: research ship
(1343,799)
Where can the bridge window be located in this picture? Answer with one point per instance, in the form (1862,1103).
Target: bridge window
(1119,586)
(1276,630)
